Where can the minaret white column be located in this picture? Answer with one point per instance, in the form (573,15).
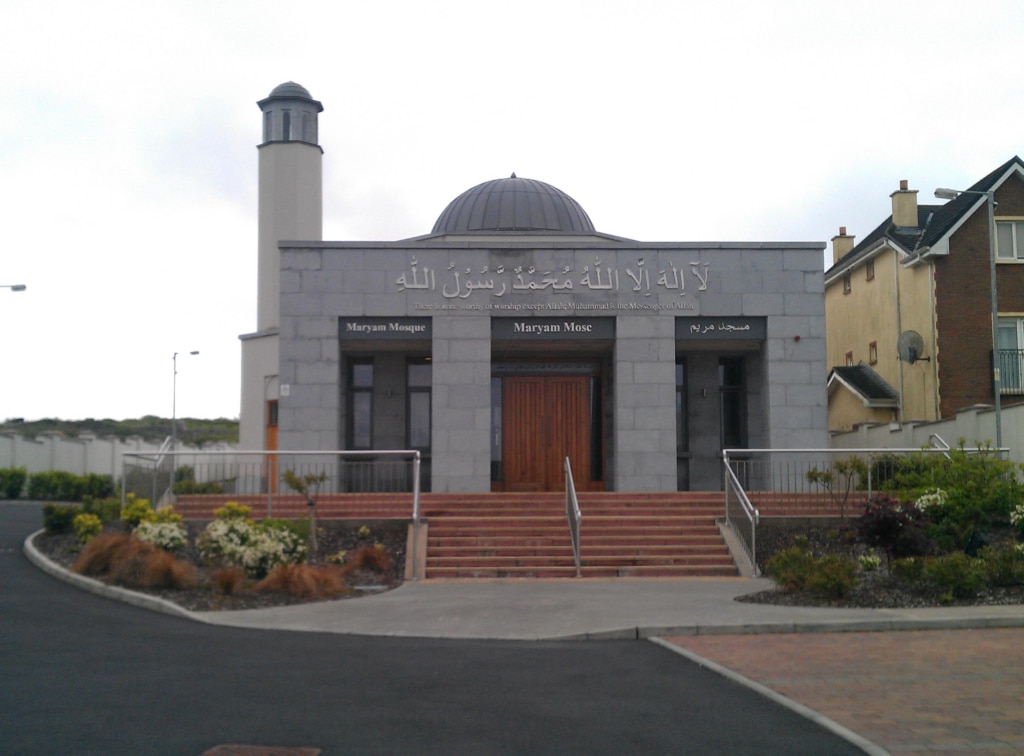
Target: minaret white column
(290,209)
(290,187)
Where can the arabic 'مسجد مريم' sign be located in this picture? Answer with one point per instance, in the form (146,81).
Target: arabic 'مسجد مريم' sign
(704,328)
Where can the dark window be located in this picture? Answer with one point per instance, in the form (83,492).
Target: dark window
(496,472)
(361,395)
(846,284)
(873,352)
(286,127)
(730,387)
(682,431)
(869,270)
(420,382)
(596,434)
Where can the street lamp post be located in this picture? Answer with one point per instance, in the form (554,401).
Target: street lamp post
(997,388)
(174,402)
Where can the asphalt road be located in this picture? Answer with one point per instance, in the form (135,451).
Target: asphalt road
(80,674)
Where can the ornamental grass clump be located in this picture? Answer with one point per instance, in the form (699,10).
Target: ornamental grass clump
(373,558)
(124,560)
(304,581)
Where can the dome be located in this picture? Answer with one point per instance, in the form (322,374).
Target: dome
(513,204)
(291,89)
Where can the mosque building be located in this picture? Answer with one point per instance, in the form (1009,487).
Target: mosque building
(514,335)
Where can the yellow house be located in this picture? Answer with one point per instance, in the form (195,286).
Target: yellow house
(908,310)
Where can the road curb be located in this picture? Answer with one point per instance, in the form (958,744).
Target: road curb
(804,711)
(123,595)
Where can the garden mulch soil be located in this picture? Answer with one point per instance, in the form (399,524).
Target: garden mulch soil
(334,536)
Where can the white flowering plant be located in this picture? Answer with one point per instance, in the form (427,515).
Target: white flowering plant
(255,547)
(930,500)
(169,536)
(869,562)
(1017,519)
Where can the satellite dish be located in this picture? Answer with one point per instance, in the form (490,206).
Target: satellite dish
(910,347)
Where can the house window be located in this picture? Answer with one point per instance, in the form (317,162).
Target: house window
(849,359)
(846,284)
(869,270)
(1010,355)
(1010,240)
(873,352)
(360,387)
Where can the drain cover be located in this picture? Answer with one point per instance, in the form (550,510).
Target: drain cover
(254,750)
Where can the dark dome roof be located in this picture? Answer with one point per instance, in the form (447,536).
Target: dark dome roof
(290,89)
(513,204)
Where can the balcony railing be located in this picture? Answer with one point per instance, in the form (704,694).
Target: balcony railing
(1011,371)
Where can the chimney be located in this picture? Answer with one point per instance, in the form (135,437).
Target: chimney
(841,245)
(904,206)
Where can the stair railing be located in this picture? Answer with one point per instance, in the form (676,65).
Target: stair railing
(572,514)
(746,527)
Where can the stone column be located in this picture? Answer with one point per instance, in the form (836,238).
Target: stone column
(461,405)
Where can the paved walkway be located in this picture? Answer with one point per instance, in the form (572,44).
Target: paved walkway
(899,681)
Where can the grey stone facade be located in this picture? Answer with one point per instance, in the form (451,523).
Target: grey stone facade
(670,304)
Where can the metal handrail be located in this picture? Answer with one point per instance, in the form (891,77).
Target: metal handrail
(415,455)
(572,514)
(732,483)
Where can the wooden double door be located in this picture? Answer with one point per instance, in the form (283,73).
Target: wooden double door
(544,420)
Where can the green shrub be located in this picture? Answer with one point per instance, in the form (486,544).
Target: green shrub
(12,482)
(956,575)
(979,488)
(909,570)
(136,511)
(87,526)
(107,509)
(1003,564)
(97,486)
(164,514)
(832,576)
(185,487)
(55,485)
(232,510)
(59,518)
(790,568)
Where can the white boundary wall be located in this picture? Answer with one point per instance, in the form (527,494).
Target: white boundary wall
(82,455)
(975,425)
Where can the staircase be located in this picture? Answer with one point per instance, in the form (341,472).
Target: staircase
(621,535)
(526,535)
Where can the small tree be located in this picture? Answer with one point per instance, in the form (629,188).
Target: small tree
(839,480)
(307,485)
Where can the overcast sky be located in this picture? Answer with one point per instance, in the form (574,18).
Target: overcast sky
(128,136)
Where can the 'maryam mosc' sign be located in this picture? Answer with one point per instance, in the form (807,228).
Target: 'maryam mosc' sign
(358,329)
(525,329)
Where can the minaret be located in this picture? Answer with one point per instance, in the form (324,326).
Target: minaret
(290,209)
(290,185)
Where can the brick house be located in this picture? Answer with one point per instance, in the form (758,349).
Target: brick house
(924,274)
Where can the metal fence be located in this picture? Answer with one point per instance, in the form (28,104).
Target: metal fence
(811,482)
(161,477)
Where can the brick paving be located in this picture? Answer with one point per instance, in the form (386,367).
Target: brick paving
(924,691)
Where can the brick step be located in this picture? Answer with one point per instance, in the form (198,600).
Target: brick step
(526,560)
(589,542)
(552,554)
(677,571)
